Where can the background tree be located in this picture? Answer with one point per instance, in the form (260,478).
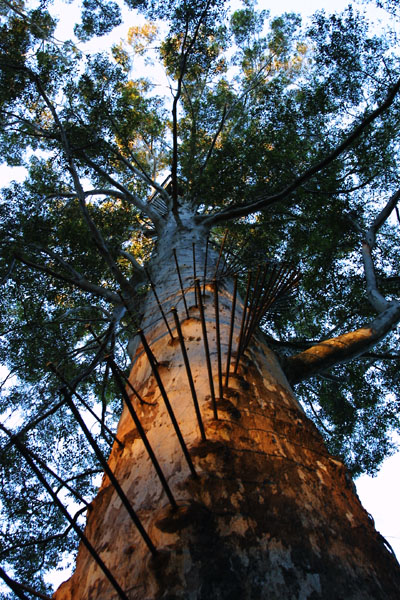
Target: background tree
(287,136)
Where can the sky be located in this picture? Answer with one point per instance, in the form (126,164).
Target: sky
(379,495)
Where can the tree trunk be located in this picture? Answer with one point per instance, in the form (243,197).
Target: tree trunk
(271,513)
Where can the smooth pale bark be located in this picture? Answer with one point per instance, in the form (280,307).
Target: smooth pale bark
(271,515)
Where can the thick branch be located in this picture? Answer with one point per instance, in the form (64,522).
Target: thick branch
(348,346)
(174,164)
(138,268)
(341,349)
(299,344)
(242,210)
(377,300)
(382,218)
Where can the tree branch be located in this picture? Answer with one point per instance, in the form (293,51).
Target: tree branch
(138,171)
(40,132)
(380,356)
(101,245)
(8,274)
(242,210)
(377,300)
(19,588)
(214,141)
(341,349)
(63,263)
(318,418)
(133,198)
(306,344)
(94,192)
(174,164)
(226,112)
(9,374)
(138,268)
(97,237)
(183,61)
(348,346)
(81,282)
(46,540)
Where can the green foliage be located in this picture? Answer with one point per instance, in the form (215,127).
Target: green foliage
(261,101)
(356,411)
(98,18)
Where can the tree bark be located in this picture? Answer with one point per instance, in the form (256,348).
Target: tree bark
(271,513)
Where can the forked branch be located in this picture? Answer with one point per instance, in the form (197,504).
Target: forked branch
(348,346)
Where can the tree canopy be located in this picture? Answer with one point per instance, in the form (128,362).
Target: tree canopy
(285,134)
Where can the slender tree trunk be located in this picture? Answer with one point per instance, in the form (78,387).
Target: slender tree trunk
(270,514)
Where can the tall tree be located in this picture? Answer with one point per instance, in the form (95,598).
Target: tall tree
(242,234)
